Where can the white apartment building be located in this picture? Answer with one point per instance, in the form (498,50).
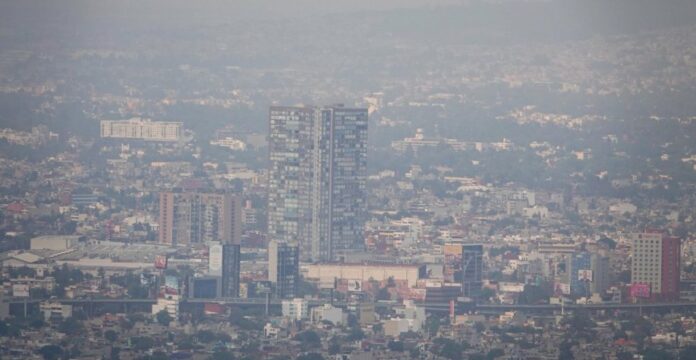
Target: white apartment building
(142,129)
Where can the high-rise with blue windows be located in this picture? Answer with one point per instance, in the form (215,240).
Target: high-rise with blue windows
(580,273)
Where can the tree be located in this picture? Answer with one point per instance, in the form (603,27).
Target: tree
(607,242)
(383,294)
(657,354)
(580,325)
(486,294)
(51,352)
(688,353)
(222,355)
(310,356)
(447,348)
(565,351)
(70,326)
(532,294)
(142,343)
(395,345)
(642,328)
(205,336)
(158,355)
(186,342)
(309,339)
(111,335)
(432,324)
(224,337)
(9,329)
(355,334)
(238,319)
(624,355)
(678,329)
(495,353)
(115,351)
(334,347)
(163,318)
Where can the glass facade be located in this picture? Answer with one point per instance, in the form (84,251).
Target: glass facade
(317,179)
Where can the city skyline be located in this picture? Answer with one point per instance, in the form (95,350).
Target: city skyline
(348,180)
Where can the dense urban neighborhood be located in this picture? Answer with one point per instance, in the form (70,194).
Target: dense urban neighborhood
(352,183)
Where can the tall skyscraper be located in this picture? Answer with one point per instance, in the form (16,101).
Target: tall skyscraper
(194,217)
(224,262)
(601,274)
(283,268)
(579,272)
(656,261)
(472,269)
(318,165)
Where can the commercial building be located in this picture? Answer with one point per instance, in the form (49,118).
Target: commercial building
(231,257)
(197,217)
(83,199)
(284,268)
(295,309)
(54,311)
(656,260)
(366,313)
(141,129)
(442,293)
(54,242)
(328,312)
(317,176)
(452,269)
(463,263)
(601,274)
(224,262)
(204,287)
(168,303)
(328,273)
(472,269)
(579,272)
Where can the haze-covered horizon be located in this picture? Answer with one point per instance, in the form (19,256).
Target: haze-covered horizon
(313,179)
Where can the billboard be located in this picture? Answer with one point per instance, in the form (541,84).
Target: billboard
(161,261)
(147,279)
(263,287)
(20,290)
(171,285)
(639,290)
(585,275)
(354,285)
(562,288)
(215,260)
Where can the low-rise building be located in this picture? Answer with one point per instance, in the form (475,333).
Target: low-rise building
(55,311)
(295,309)
(328,312)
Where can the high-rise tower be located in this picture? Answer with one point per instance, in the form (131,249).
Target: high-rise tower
(656,261)
(472,269)
(188,217)
(318,165)
(284,268)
